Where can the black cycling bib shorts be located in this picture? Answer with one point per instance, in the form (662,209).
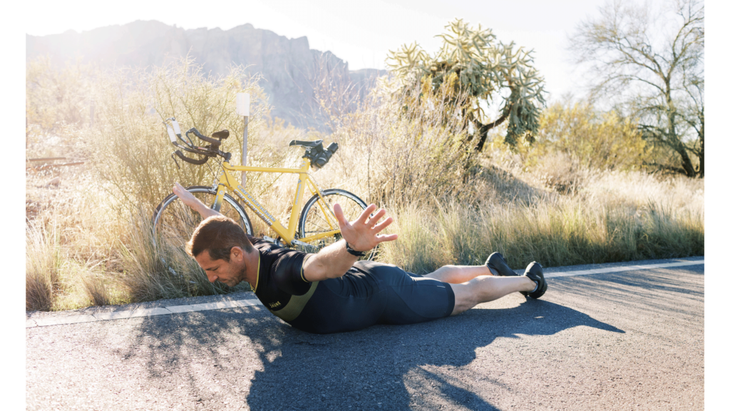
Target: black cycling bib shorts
(369,293)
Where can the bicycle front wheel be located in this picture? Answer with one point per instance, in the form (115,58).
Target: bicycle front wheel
(318,216)
(174,223)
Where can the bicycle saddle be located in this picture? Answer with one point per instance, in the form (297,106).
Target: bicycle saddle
(305,143)
(220,134)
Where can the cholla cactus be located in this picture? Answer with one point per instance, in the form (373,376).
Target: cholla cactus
(472,63)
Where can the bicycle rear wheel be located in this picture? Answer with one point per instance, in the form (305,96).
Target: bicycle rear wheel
(317,216)
(174,223)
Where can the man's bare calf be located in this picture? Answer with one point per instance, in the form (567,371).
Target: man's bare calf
(474,285)
(487,288)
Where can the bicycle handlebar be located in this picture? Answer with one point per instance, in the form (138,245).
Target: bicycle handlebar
(192,160)
(314,151)
(307,144)
(202,137)
(173,130)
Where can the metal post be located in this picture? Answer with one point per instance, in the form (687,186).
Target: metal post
(243,101)
(244,150)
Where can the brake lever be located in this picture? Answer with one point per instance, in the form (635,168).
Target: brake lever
(175,160)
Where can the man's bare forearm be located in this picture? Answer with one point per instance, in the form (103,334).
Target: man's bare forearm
(191,201)
(205,211)
(330,262)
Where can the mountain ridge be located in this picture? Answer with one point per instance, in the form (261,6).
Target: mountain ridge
(289,67)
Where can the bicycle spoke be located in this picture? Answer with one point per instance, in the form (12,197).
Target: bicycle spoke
(318,217)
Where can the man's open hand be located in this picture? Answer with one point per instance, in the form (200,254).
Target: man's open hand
(363,233)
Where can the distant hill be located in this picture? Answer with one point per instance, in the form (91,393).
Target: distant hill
(289,67)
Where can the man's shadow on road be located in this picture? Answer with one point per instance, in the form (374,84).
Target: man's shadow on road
(383,365)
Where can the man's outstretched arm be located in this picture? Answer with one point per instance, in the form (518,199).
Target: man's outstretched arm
(191,201)
(362,234)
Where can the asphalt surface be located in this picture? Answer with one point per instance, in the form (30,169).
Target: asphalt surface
(607,341)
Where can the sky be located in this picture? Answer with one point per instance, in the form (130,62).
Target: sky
(359,33)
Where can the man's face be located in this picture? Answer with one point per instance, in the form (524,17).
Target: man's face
(229,272)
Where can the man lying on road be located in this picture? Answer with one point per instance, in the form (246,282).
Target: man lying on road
(332,291)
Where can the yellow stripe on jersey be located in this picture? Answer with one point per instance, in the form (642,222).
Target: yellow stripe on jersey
(301,270)
(295,305)
(258,269)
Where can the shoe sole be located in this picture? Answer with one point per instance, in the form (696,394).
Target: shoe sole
(497,263)
(534,273)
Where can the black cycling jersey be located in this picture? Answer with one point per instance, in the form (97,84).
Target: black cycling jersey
(369,293)
(280,285)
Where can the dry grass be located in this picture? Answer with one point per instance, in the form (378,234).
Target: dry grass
(43,266)
(69,241)
(593,227)
(88,237)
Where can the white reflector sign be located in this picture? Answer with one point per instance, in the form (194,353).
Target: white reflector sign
(243,100)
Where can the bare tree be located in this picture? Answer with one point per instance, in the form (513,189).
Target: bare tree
(649,58)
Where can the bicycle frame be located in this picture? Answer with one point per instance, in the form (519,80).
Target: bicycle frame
(228,182)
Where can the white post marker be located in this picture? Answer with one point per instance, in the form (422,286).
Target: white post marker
(243,101)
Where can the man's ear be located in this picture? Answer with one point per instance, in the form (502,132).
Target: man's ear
(236,253)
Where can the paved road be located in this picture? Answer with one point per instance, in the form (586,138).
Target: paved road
(598,340)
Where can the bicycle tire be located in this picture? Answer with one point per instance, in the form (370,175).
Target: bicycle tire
(173,224)
(312,220)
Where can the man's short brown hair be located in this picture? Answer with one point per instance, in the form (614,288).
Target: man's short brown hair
(218,234)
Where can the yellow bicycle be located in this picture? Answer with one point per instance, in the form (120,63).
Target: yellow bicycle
(312,224)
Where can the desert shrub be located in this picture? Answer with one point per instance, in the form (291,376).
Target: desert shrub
(588,138)
(134,151)
(390,155)
(576,140)
(57,96)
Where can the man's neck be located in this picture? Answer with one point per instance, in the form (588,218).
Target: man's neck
(252,267)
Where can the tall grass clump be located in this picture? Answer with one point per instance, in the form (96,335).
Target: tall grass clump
(42,267)
(555,230)
(70,238)
(96,288)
